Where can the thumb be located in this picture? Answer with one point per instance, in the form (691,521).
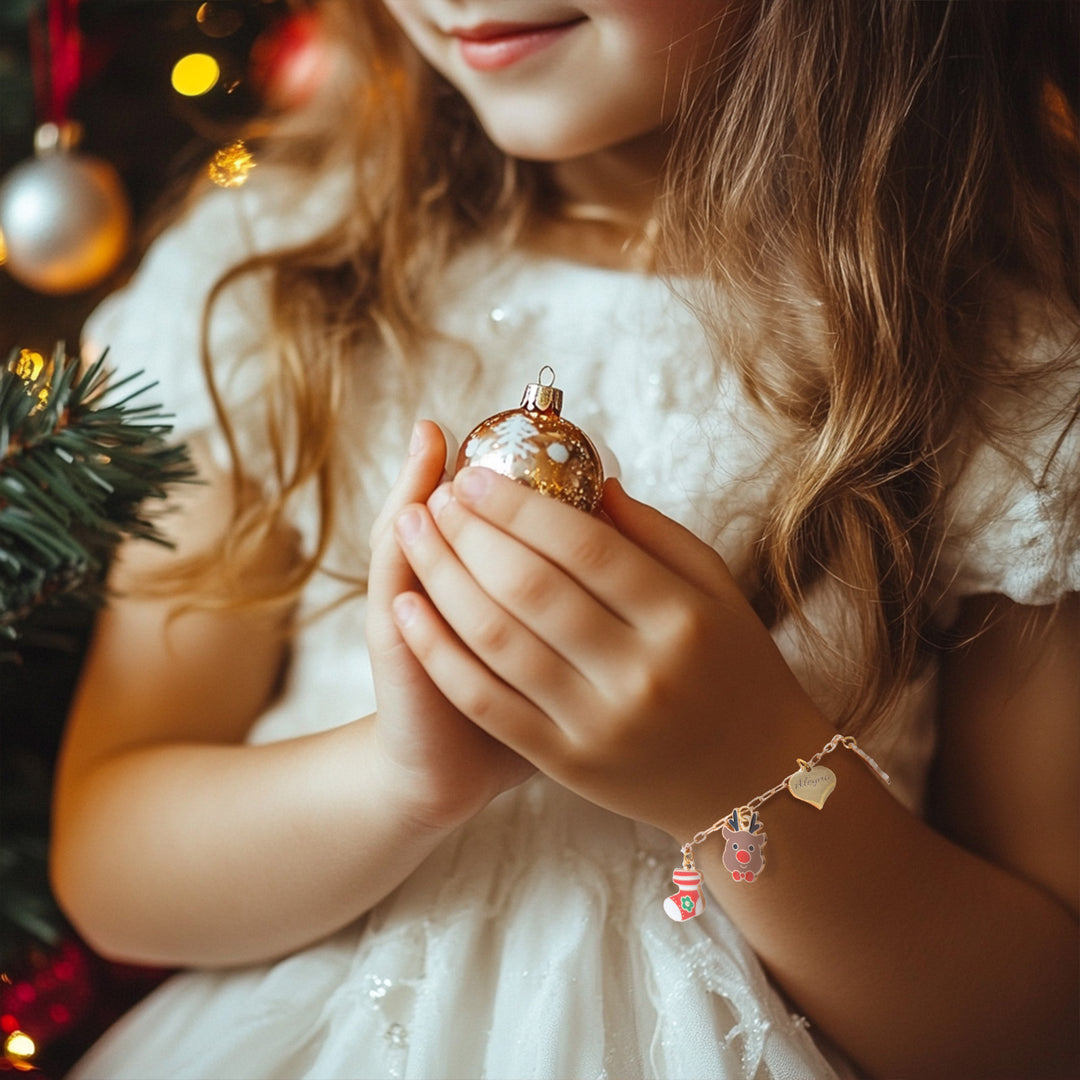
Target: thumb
(420,475)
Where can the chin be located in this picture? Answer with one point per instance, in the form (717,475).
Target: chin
(533,150)
(539,142)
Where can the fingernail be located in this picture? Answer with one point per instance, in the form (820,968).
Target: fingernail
(416,440)
(404,609)
(473,483)
(407,525)
(439,498)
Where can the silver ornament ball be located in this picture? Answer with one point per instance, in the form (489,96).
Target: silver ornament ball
(65,220)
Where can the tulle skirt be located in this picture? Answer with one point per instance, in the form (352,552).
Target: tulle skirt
(533,943)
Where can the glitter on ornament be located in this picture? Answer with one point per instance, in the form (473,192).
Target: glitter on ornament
(534,445)
(230,166)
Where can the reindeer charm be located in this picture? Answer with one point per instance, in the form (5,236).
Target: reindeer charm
(744,853)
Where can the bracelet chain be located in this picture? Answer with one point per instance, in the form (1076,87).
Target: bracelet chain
(744,812)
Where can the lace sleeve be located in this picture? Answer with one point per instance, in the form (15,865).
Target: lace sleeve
(1013,519)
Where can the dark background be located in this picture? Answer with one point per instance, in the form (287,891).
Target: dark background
(51,985)
(131,116)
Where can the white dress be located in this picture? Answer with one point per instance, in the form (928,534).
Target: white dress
(533,942)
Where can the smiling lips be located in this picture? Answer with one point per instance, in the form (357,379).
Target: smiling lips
(492,46)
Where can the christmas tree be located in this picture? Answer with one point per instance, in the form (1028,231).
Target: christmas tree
(85,452)
(78,463)
(82,455)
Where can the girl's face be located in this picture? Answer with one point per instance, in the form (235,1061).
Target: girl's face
(554,80)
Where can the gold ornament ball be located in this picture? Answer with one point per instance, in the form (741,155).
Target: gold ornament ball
(534,445)
(66,221)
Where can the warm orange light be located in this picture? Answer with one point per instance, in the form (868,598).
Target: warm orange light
(19,1047)
(28,364)
(230,166)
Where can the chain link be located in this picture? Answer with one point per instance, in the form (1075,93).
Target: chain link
(743,813)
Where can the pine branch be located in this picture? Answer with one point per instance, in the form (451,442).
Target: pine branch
(79,464)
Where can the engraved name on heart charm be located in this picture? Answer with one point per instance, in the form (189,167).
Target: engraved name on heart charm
(813,786)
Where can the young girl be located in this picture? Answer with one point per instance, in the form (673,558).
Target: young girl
(401,767)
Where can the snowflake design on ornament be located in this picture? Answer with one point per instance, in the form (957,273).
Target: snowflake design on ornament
(515,435)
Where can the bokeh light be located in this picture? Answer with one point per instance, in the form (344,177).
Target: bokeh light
(19,1047)
(230,166)
(219,20)
(28,364)
(195,74)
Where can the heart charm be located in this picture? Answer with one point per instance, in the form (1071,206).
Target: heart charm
(812,785)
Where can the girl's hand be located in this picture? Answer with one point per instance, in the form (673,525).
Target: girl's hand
(449,767)
(621,659)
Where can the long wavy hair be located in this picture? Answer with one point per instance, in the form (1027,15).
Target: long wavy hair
(862,186)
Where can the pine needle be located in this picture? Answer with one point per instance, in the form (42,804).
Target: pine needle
(78,467)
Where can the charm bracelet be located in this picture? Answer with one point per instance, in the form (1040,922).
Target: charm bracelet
(744,833)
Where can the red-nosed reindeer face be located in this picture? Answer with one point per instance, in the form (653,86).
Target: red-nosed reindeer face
(744,853)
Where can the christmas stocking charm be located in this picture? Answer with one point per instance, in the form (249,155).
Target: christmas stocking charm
(689,900)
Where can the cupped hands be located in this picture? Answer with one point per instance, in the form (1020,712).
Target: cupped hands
(441,765)
(618,656)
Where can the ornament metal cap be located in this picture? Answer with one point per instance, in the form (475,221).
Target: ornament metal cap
(540,396)
(52,138)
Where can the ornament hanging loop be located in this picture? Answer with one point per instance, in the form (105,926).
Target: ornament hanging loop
(53,138)
(542,396)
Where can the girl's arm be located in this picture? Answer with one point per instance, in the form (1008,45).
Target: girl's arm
(1009,746)
(949,953)
(176,844)
(627,665)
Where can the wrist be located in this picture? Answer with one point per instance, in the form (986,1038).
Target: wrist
(738,766)
(738,850)
(424,794)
